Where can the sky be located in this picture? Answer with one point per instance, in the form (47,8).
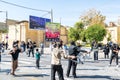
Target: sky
(66,12)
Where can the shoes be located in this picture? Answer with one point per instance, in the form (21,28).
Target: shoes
(67,76)
(74,76)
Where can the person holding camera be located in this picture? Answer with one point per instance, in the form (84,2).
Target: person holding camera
(15,54)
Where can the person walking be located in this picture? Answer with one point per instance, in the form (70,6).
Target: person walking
(56,65)
(71,63)
(114,55)
(15,54)
(37,56)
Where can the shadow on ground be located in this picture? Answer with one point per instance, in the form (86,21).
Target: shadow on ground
(95,77)
(31,75)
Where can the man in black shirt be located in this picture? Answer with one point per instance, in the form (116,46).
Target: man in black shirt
(15,54)
(115,50)
(72,51)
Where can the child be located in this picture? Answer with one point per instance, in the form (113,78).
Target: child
(37,55)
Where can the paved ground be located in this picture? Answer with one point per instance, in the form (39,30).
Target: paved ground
(90,70)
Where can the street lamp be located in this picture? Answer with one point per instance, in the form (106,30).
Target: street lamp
(6,22)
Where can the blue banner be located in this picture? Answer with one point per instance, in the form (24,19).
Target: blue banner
(38,23)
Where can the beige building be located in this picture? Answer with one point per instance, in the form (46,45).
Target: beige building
(19,30)
(114,31)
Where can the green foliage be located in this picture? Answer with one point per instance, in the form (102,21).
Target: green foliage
(95,32)
(74,33)
(79,25)
(109,37)
(82,36)
(4,31)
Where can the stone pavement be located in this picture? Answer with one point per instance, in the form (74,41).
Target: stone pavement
(90,70)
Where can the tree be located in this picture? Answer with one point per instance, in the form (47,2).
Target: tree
(74,33)
(95,32)
(92,17)
(109,37)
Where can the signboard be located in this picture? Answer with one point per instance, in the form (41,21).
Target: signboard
(38,23)
(52,32)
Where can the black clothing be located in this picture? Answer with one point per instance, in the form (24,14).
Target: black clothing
(106,51)
(95,55)
(73,50)
(59,70)
(37,63)
(114,54)
(15,54)
(73,65)
(31,49)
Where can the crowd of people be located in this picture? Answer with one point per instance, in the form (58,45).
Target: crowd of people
(59,50)
(108,48)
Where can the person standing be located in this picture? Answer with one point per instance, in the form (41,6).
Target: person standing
(37,56)
(31,49)
(0,56)
(106,51)
(42,47)
(95,50)
(56,65)
(92,44)
(15,54)
(74,52)
(6,45)
(115,50)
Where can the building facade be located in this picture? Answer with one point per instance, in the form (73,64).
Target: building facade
(20,31)
(114,31)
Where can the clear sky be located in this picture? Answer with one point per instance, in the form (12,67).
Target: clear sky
(68,11)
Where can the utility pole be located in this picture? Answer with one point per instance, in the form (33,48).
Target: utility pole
(51,15)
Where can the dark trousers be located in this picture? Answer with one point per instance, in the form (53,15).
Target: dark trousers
(31,50)
(114,56)
(59,70)
(106,55)
(37,63)
(73,65)
(95,55)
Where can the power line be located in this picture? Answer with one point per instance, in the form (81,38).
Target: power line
(24,6)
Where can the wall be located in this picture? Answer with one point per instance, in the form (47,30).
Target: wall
(21,32)
(114,34)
